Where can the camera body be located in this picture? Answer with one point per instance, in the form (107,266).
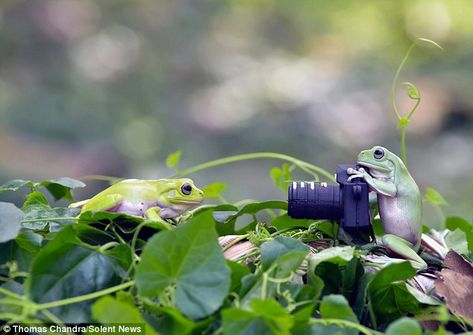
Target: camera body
(346,201)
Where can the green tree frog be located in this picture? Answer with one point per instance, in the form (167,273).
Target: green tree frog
(399,201)
(153,199)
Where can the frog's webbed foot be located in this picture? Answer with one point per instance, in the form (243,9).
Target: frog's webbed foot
(399,246)
(152,214)
(182,218)
(360,173)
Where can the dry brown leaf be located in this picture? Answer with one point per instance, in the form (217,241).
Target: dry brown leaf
(455,285)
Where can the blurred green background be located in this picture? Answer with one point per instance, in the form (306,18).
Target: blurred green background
(113,87)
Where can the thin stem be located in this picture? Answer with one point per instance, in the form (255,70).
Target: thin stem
(264,286)
(10,293)
(399,69)
(396,78)
(117,235)
(86,297)
(307,167)
(135,258)
(52,317)
(374,323)
(9,316)
(281,280)
(394,94)
(345,324)
(16,302)
(235,241)
(414,108)
(403,133)
(107,246)
(63,218)
(252,252)
(403,145)
(110,179)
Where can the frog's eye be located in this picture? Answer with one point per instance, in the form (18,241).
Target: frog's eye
(378,154)
(186,189)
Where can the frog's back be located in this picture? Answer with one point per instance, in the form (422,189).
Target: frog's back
(133,190)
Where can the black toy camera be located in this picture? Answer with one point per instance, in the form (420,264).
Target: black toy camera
(346,202)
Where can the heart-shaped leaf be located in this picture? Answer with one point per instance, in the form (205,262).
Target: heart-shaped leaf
(10,221)
(189,258)
(67,268)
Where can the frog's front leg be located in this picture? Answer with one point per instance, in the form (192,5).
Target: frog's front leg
(152,214)
(384,187)
(405,249)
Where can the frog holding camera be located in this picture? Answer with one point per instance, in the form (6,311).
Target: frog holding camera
(399,201)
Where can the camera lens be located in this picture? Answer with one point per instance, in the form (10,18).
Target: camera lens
(308,200)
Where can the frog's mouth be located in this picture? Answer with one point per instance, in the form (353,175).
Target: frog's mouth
(186,202)
(378,168)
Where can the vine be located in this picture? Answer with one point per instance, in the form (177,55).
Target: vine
(412,92)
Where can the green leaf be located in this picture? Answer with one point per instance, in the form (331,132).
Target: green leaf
(331,258)
(67,268)
(440,331)
(121,254)
(388,293)
(62,188)
(169,321)
(281,176)
(59,188)
(337,307)
(229,225)
(108,217)
(279,246)
(29,240)
(454,222)
(15,185)
(214,190)
(35,198)
(351,274)
(173,159)
(189,258)
(10,221)
(404,326)
(17,254)
(108,310)
(238,271)
(336,255)
(38,216)
(422,297)
(124,222)
(265,317)
(434,197)
(378,229)
(457,241)
(285,221)
(254,286)
(412,90)
(362,294)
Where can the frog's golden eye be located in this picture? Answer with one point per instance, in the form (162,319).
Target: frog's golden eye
(186,189)
(378,154)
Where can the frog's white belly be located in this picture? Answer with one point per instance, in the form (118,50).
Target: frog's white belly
(398,221)
(133,208)
(139,209)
